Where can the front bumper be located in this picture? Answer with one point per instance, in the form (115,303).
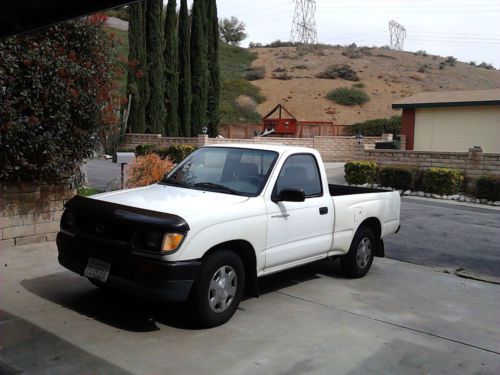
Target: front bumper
(167,281)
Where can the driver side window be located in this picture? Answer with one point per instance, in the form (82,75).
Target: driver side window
(300,172)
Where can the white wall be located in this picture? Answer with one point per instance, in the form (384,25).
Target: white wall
(458,129)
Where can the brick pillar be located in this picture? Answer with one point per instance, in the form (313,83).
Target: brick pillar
(408,127)
(403,142)
(202,140)
(473,168)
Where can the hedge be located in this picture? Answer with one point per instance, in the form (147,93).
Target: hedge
(488,187)
(398,178)
(377,127)
(442,181)
(360,172)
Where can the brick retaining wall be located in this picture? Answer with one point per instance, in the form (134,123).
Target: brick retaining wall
(30,213)
(133,140)
(473,163)
(332,149)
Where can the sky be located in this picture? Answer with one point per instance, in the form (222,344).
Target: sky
(466,29)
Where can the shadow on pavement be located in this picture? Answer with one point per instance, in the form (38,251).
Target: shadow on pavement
(110,307)
(134,314)
(27,348)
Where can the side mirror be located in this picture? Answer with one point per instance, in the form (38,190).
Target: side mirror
(290,195)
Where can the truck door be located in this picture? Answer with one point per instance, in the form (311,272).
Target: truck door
(299,230)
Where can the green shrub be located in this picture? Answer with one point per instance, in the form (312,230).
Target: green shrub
(178,153)
(348,96)
(377,127)
(360,172)
(142,150)
(442,180)
(486,66)
(359,85)
(421,53)
(282,76)
(451,61)
(254,74)
(488,187)
(399,178)
(55,96)
(339,71)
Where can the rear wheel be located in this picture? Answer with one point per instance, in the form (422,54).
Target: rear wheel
(358,261)
(217,292)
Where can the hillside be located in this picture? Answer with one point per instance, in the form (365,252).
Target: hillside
(386,75)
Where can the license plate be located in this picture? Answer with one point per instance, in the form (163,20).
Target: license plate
(97,269)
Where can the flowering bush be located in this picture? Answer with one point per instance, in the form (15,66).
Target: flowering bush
(55,90)
(147,170)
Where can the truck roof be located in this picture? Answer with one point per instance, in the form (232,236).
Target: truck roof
(278,147)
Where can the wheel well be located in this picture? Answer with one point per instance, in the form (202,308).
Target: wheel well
(374,224)
(246,253)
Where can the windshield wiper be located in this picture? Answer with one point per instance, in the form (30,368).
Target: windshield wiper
(212,186)
(171,181)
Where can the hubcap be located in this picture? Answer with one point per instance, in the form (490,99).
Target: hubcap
(222,289)
(364,252)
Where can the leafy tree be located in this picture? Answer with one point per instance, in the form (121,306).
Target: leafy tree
(214,79)
(137,85)
(171,70)
(198,69)
(232,30)
(57,96)
(155,109)
(184,106)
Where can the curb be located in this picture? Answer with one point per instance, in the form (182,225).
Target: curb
(451,202)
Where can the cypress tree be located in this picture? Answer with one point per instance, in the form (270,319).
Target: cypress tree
(184,107)
(198,69)
(213,69)
(137,80)
(171,70)
(155,110)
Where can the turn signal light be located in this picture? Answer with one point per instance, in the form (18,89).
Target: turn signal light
(171,241)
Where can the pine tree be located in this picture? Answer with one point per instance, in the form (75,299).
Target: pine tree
(184,107)
(198,69)
(213,69)
(137,80)
(171,70)
(155,110)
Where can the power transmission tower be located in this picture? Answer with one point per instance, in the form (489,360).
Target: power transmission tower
(304,22)
(398,35)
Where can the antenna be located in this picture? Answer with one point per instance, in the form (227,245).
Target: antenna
(304,22)
(398,35)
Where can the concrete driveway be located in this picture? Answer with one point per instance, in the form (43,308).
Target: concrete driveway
(400,319)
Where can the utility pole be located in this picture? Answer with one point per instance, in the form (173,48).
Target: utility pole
(304,22)
(398,35)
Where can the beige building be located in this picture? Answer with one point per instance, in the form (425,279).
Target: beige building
(452,121)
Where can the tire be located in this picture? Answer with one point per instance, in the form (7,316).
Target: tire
(358,261)
(218,290)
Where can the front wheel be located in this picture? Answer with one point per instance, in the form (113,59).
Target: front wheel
(219,288)
(357,262)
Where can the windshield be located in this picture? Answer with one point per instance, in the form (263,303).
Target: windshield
(226,170)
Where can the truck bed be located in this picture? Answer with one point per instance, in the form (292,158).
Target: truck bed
(339,190)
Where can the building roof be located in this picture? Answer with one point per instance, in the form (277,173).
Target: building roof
(450,99)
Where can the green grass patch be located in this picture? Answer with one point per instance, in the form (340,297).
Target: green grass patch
(348,96)
(87,192)
(235,62)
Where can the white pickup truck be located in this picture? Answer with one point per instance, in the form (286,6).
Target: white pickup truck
(221,219)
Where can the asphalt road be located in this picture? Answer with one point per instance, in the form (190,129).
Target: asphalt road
(447,236)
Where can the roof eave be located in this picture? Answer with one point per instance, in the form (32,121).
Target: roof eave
(481,103)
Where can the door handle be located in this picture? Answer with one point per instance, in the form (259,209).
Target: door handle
(323,210)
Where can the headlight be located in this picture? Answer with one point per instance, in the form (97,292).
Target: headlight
(171,241)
